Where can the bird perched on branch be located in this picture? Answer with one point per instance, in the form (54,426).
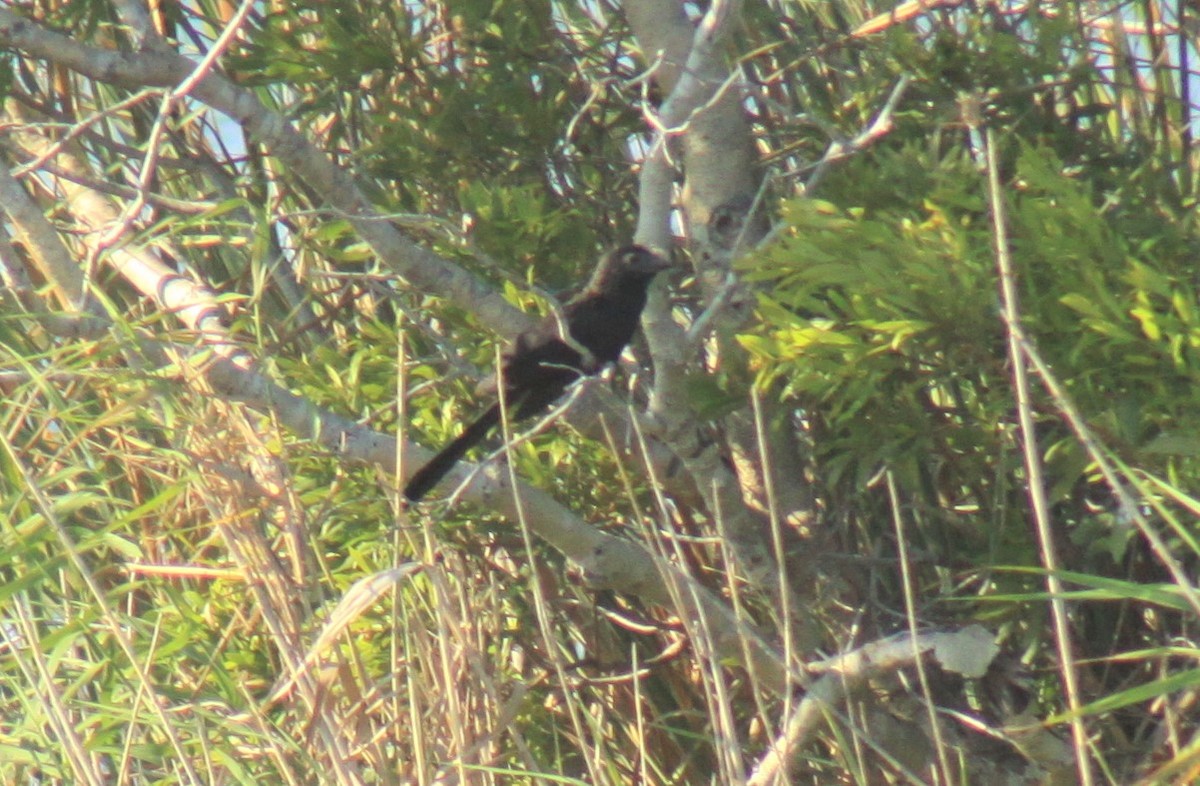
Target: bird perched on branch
(539,365)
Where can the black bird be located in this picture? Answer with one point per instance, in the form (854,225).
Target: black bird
(539,365)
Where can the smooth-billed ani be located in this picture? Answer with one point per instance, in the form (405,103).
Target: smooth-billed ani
(539,365)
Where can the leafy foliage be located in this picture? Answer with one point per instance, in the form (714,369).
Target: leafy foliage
(884,323)
(168,555)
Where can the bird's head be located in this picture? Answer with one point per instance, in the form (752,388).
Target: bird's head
(639,260)
(625,268)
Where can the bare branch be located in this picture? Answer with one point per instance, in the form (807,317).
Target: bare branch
(968,652)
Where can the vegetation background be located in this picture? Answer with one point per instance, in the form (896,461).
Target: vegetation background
(900,486)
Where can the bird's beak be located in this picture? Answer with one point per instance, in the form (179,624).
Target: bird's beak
(653,262)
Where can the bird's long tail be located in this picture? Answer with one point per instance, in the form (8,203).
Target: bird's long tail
(436,468)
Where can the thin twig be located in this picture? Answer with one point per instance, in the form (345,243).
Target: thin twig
(1127,507)
(552,650)
(910,614)
(1035,477)
(839,149)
